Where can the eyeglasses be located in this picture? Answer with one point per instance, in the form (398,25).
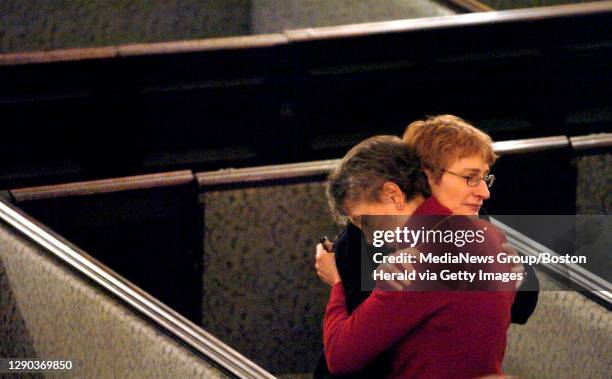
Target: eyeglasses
(474,180)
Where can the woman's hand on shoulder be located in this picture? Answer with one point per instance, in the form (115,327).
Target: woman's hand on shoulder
(325,263)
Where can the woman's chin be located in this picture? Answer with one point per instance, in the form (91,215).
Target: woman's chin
(467,210)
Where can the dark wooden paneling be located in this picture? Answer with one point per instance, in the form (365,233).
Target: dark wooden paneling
(293,98)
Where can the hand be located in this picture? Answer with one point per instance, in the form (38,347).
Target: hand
(325,263)
(516,267)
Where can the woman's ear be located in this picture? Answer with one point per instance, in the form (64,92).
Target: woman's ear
(429,175)
(391,191)
(431,179)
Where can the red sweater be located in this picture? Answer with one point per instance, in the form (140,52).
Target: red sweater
(426,334)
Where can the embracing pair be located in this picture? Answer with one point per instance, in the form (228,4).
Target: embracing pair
(441,167)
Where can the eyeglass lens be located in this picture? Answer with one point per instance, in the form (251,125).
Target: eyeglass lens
(475,180)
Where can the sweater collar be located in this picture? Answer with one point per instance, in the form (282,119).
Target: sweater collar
(431,206)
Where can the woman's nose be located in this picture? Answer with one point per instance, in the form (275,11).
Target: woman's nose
(482,191)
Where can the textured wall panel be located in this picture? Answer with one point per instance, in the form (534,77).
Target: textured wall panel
(272,16)
(67,318)
(15,340)
(568,336)
(44,25)
(594,188)
(259,296)
(594,197)
(261,292)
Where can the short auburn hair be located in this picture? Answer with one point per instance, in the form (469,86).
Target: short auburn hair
(440,140)
(364,170)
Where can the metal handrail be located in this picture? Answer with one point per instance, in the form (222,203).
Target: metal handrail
(281,171)
(530,145)
(591,141)
(103,186)
(289,36)
(573,272)
(263,173)
(317,168)
(144,303)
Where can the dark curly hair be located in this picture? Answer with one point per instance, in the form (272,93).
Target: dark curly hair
(366,167)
